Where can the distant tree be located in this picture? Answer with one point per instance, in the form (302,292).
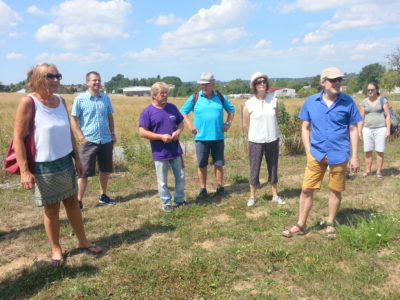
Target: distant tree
(315,83)
(353,85)
(2,86)
(370,73)
(172,80)
(279,83)
(394,59)
(389,80)
(302,93)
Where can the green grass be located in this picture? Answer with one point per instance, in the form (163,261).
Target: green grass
(216,249)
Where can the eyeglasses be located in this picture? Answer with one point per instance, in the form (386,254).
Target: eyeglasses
(261,82)
(371,90)
(334,80)
(52,76)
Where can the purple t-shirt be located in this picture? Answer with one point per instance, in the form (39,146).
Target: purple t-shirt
(162,121)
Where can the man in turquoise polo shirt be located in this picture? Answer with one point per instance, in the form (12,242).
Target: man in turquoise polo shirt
(329,132)
(208,128)
(93,124)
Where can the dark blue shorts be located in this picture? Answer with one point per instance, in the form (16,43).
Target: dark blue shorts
(203,149)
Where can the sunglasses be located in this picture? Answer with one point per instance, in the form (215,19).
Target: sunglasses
(334,80)
(371,90)
(52,76)
(261,82)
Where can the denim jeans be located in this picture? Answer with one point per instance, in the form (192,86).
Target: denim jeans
(162,180)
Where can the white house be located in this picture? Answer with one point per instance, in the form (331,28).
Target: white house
(141,91)
(283,92)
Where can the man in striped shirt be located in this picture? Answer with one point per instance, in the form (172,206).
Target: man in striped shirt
(93,124)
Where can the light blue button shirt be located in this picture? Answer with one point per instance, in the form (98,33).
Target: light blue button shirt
(93,113)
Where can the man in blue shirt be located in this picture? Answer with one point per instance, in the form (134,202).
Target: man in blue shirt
(208,128)
(329,132)
(93,124)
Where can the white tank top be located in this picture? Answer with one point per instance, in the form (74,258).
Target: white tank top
(263,127)
(52,131)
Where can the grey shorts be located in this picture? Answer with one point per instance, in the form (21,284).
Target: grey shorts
(203,149)
(90,152)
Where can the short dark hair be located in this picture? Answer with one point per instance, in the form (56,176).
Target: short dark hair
(90,73)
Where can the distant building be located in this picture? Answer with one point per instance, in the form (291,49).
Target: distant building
(138,91)
(343,88)
(283,92)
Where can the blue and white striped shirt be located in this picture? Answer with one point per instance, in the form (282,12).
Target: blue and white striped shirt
(93,113)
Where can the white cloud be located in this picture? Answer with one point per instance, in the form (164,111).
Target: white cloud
(145,54)
(316,36)
(62,57)
(164,20)
(14,56)
(15,34)
(313,5)
(85,23)
(34,10)
(97,57)
(217,25)
(8,17)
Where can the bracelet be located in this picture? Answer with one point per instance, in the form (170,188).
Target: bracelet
(112,133)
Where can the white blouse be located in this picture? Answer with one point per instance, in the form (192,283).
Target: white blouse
(52,131)
(263,127)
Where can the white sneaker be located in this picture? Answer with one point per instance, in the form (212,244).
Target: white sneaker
(278,200)
(251,202)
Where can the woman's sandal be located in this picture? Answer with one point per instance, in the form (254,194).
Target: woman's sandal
(379,175)
(366,174)
(57,262)
(288,233)
(331,234)
(91,249)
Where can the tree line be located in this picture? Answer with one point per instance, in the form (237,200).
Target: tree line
(387,78)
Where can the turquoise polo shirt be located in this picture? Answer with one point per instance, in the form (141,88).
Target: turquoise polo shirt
(208,116)
(92,113)
(330,126)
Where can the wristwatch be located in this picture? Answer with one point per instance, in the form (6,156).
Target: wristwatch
(228,123)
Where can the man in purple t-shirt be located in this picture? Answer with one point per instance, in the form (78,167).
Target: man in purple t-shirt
(162,123)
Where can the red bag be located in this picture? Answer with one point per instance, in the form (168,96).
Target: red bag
(10,162)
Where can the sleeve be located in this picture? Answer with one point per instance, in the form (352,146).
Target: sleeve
(188,106)
(385,100)
(248,106)
(229,108)
(363,103)
(304,114)
(75,112)
(144,119)
(355,115)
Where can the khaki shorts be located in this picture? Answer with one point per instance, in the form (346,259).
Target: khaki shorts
(315,172)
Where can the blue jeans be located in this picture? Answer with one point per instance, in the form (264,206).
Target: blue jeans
(162,180)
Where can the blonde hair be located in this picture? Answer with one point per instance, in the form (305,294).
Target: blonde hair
(35,80)
(158,87)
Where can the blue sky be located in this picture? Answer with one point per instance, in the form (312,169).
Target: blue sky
(230,38)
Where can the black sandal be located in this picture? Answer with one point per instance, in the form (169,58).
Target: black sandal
(288,233)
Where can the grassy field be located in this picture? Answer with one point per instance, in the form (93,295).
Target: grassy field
(216,249)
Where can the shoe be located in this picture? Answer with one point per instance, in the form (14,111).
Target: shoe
(80,204)
(167,208)
(379,175)
(288,233)
(106,200)
(202,194)
(251,202)
(220,192)
(93,249)
(278,200)
(182,204)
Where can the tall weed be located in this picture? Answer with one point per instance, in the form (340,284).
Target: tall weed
(290,129)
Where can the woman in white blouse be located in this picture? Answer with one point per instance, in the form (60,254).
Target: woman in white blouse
(261,123)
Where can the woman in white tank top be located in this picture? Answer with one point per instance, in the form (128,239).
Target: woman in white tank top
(53,178)
(261,122)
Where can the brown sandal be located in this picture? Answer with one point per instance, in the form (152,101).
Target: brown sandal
(288,233)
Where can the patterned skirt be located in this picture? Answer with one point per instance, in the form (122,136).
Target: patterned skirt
(55,181)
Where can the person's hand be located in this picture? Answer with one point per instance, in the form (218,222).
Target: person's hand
(78,168)
(175,135)
(354,164)
(193,129)
(114,138)
(226,127)
(83,140)
(166,138)
(387,132)
(27,180)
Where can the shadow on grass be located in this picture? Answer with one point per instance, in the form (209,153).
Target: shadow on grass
(351,216)
(16,233)
(129,236)
(31,280)
(145,193)
(390,171)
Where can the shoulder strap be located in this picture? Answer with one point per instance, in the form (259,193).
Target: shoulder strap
(195,97)
(221,97)
(381,100)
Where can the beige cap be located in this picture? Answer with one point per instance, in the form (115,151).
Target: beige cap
(331,73)
(206,78)
(255,76)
